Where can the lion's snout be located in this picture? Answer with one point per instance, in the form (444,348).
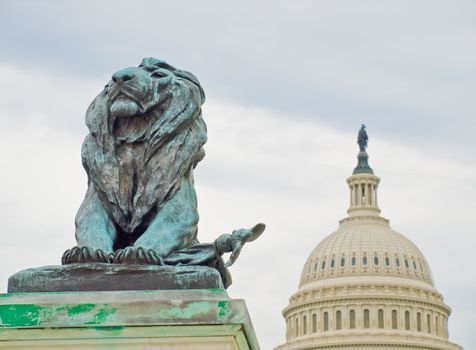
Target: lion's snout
(129,92)
(124,74)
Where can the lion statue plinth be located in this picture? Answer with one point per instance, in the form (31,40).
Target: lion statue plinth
(146,135)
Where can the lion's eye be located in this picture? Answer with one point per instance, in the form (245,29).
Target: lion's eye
(148,68)
(157,74)
(160,73)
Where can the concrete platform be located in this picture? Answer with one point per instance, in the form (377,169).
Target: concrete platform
(126,320)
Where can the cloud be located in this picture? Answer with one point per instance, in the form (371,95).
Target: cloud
(405,68)
(30,96)
(288,84)
(286,171)
(290,174)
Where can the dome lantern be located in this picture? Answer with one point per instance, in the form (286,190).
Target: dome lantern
(363,183)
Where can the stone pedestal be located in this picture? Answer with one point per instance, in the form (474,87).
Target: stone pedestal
(126,320)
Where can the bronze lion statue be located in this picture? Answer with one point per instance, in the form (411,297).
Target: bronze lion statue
(146,135)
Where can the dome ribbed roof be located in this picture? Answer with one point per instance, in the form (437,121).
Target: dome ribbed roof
(365,246)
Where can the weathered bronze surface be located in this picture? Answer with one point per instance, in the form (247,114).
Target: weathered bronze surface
(112,277)
(146,135)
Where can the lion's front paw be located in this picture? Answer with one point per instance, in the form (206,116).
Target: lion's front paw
(137,255)
(85,255)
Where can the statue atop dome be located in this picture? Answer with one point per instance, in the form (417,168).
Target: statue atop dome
(362,139)
(363,166)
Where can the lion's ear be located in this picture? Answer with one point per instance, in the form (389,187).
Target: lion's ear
(155,62)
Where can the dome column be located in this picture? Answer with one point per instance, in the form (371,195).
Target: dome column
(363,195)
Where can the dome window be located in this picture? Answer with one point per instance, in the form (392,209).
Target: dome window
(354,261)
(376,260)
(314,323)
(297,327)
(323,264)
(407,320)
(418,321)
(304,325)
(342,262)
(397,262)
(394,319)
(414,265)
(332,263)
(387,261)
(316,265)
(407,265)
(428,323)
(352,319)
(364,261)
(366,318)
(326,321)
(380,319)
(338,320)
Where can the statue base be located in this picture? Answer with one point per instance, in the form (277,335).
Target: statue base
(126,320)
(113,277)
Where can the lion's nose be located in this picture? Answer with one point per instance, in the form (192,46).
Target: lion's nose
(123,75)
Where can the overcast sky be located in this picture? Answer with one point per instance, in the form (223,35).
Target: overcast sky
(288,85)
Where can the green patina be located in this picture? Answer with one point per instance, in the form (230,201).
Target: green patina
(222,308)
(216,290)
(79,309)
(22,315)
(28,315)
(110,330)
(187,312)
(102,315)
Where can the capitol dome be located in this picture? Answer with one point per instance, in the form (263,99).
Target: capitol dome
(366,247)
(366,286)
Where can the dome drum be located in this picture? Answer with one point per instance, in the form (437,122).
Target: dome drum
(358,319)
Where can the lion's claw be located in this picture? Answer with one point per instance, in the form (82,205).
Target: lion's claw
(84,255)
(136,255)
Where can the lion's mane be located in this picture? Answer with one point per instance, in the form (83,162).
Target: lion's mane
(136,163)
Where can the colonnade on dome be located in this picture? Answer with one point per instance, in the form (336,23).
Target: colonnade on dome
(356,314)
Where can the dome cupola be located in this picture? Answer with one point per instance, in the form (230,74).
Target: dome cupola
(363,183)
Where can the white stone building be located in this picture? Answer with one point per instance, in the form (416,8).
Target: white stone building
(366,286)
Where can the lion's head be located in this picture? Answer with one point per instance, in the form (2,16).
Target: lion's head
(135,90)
(146,132)
(137,97)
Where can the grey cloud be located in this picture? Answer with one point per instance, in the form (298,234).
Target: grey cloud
(420,200)
(405,68)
